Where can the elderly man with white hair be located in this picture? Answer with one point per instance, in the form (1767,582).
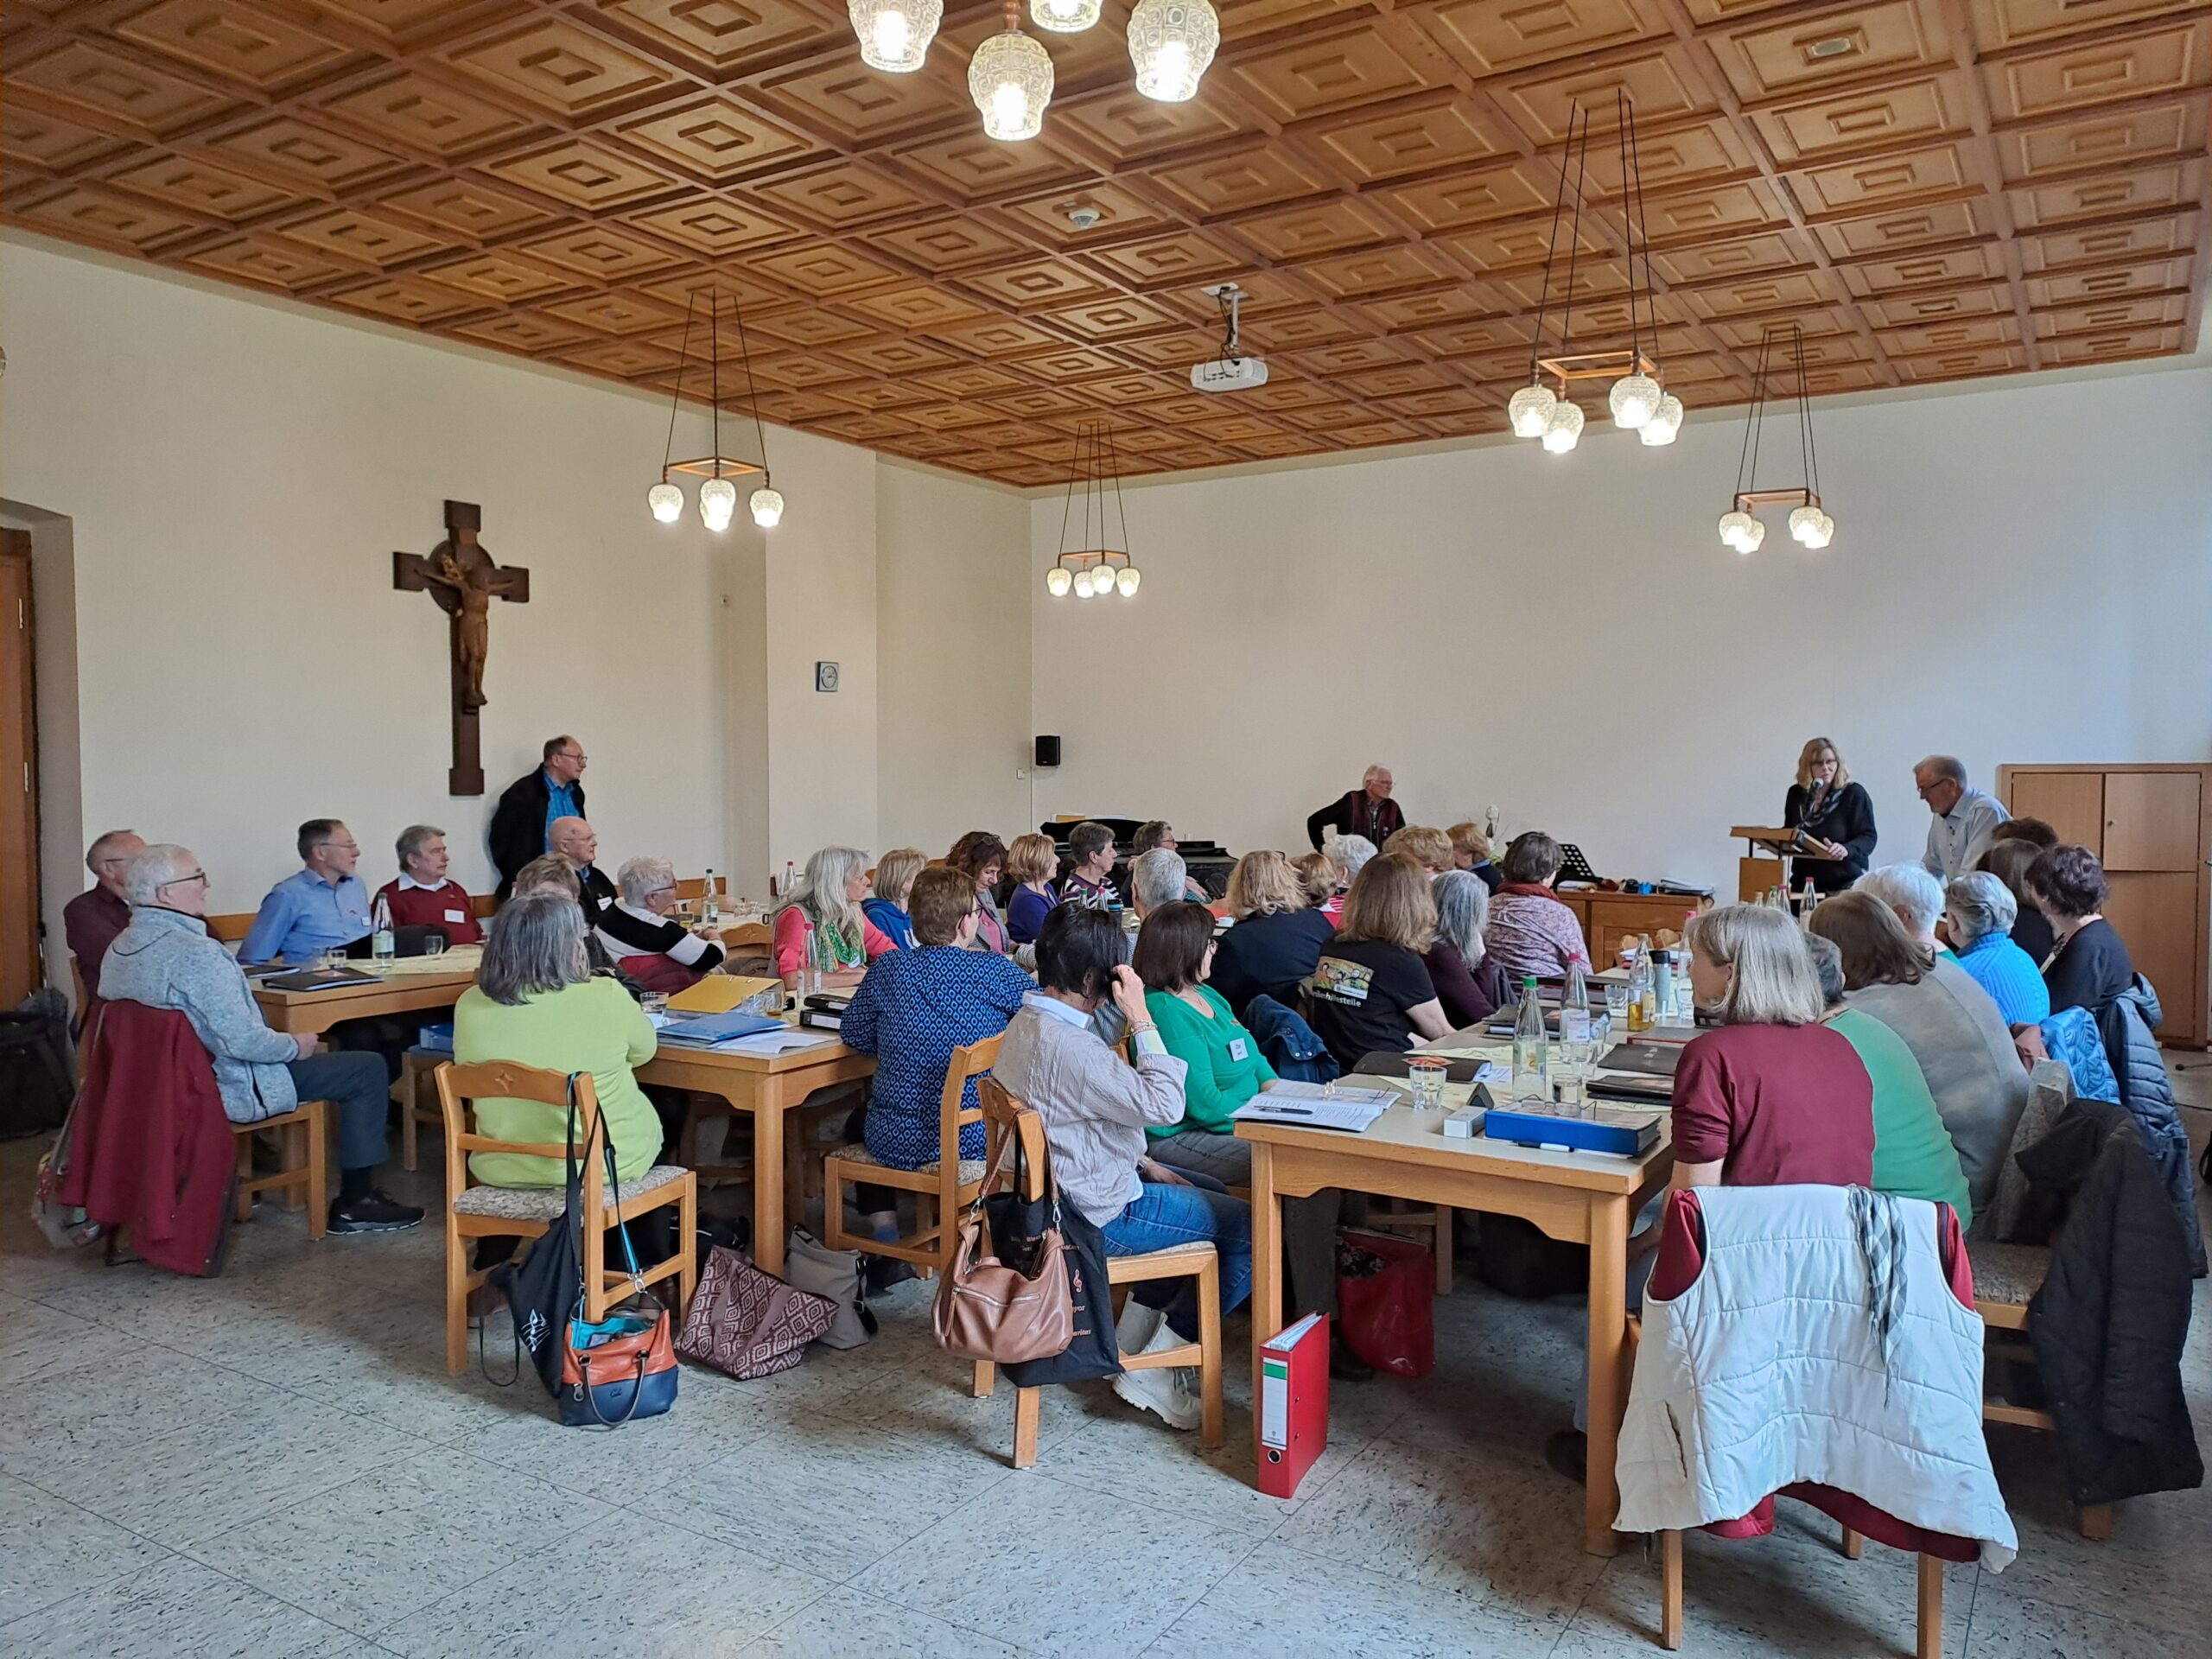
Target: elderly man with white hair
(1159,877)
(575,841)
(1368,810)
(1966,819)
(1979,911)
(1915,896)
(423,895)
(640,937)
(166,959)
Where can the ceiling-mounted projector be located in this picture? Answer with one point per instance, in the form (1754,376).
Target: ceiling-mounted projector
(1232,370)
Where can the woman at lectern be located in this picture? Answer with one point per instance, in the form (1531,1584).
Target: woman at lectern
(1837,817)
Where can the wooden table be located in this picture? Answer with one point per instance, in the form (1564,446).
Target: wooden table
(763,1088)
(406,991)
(1580,1198)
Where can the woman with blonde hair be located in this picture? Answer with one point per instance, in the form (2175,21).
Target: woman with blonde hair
(823,926)
(1323,878)
(1370,992)
(1836,817)
(893,882)
(1470,851)
(1430,849)
(1277,936)
(1033,862)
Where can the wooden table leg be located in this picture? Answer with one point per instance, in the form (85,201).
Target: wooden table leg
(1267,1255)
(1608,1367)
(768,1176)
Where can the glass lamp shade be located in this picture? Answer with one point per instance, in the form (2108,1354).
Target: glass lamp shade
(1530,409)
(1665,422)
(1741,530)
(1562,428)
(1634,400)
(1064,16)
(1820,531)
(666,501)
(717,502)
(1083,585)
(1171,44)
(1126,579)
(1804,524)
(767,506)
(895,35)
(1058,582)
(1010,77)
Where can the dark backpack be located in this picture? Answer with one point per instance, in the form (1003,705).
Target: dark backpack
(37,1076)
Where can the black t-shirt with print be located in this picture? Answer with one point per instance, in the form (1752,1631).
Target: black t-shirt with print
(1359,993)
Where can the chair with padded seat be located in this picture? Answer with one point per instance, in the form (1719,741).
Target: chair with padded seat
(942,1187)
(1010,1122)
(2005,1279)
(474,1211)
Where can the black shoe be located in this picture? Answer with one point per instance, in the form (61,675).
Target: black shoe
(879,1273)
(1346,1366)
(374,1211)
(1568,1453)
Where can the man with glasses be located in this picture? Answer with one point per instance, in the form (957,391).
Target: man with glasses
(522,824)
(166,959)
(93,918)
(1965,820)
(323,907)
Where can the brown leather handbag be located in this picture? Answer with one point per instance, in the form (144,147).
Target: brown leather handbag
(987,1309)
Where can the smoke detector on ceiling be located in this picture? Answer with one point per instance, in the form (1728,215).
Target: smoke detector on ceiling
(1083,217)
(1233,371)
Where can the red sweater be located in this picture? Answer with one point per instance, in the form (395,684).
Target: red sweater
(448,908)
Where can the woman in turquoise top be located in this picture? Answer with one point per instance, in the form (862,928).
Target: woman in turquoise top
(1225,1068)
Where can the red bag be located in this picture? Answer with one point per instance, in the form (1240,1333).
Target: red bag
(746,1322)
(1385,1316)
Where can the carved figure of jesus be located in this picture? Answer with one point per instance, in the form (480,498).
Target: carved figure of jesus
(471,585)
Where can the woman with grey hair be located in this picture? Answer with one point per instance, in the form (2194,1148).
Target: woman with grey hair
(642,939)
(537,1002)
(1979,911)
(1468,984)
(823,927)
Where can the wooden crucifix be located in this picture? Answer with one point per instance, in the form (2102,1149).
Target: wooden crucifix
(464,579)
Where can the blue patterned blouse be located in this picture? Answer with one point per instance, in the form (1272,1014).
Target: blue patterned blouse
(911,1011)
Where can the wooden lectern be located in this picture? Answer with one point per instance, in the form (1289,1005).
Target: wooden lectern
(1760,867)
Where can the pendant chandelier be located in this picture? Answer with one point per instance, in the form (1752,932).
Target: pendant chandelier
(1638,401)
(1808,523)
(1089,567)
(1172,43)
(717,496)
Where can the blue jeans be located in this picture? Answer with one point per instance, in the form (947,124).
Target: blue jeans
(355,1083)
(1162,1217)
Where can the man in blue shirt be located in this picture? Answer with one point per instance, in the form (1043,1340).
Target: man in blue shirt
(323,907)
(522,824)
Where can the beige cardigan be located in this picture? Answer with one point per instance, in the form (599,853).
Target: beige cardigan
(1093,1106)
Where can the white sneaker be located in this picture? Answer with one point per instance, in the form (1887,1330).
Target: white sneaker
(1163,1389)
(1136,1327)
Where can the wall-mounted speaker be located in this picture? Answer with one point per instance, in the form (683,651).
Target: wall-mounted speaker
(1048,750)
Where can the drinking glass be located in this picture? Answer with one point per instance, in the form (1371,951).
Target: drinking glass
(1572,1071)
(434,943)
(331,958)
(655,1004)
(1426,1073)
(1617,1002)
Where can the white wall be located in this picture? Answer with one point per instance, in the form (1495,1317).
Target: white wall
(953,646)
(2019,574)
(233,475)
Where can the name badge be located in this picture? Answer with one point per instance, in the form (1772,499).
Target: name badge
(455,916)
(1239,1050)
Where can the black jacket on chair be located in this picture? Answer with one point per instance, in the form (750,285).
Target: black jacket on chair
(518,832)
(2125,1024)
(2110,1322)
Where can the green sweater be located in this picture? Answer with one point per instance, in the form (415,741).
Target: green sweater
(1219,1081)
(1913,1154)
(594,1028)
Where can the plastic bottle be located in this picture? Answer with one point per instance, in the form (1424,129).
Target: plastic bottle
(1531,1056)
(381,942)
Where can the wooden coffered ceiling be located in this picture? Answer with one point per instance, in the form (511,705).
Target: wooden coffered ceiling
(1935,189)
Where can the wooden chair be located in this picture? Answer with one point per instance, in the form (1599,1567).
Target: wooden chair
(1009,1122)
(302,1138)
(477,1212)
(417,1066)
(1436,1220)
(942,1188)
(2005,1279)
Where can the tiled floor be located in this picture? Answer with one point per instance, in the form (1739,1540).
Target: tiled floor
(274,1463)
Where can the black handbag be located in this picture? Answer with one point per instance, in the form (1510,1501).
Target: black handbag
(1018,1227)
(543,1286)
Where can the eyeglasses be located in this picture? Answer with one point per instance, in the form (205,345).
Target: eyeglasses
(179,881)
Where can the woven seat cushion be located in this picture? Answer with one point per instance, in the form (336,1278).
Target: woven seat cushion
(2008,1273)
(971,1169)
(544,1203)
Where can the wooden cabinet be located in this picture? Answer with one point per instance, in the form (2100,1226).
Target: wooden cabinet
(1609,917)
(2152,827)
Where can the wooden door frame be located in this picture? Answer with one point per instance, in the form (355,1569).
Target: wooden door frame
(16,545)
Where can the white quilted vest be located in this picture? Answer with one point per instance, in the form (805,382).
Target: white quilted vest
(1767,1370)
